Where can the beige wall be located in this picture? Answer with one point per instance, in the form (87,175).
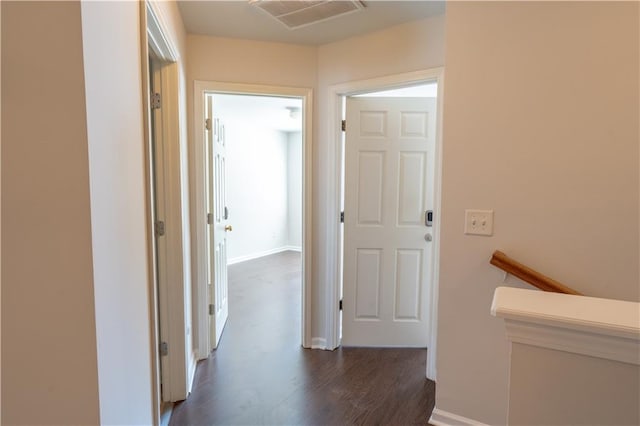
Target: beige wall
(550,387)
(75,320)
(403,48)
(49,365)
(412,46)
(118,209)
(247,61)
(540,124)
(399,49)
(0,212)
(244,61)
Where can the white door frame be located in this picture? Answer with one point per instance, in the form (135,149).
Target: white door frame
(154,39)
(334,230)
(199,227)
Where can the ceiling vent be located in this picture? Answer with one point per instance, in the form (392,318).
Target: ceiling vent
(300,13)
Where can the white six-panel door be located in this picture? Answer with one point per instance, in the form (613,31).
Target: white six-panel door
(217,226)
(389,185)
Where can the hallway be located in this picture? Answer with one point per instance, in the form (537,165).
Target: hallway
(261,375)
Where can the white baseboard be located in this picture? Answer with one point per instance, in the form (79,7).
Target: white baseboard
(444,418)
(193,363)
(318,343)
(252,256)
(165,414)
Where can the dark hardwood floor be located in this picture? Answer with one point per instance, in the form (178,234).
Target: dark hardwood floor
(261,375)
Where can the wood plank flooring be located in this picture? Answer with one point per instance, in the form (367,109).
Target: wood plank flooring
(260,375)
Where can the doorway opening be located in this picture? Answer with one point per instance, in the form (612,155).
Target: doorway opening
(253,181)
(387,187)
(388,178)
(253,193)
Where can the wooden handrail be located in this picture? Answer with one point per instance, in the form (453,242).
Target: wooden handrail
(535,278)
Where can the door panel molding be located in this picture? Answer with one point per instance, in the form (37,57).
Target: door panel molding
(198,222)
(333,229)
(396,192)
(215,193)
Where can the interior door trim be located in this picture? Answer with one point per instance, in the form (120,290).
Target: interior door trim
(333,230)
(198,217)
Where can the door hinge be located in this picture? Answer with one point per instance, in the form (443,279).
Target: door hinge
(211,309)
(164,349)
(207,124)
(344,125)
(156,101)
(160,229)
(341,217)
(340,304)
(209,218)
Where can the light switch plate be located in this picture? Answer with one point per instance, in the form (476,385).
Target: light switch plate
(478,222)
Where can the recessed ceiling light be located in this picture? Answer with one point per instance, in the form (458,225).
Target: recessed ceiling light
(294,112)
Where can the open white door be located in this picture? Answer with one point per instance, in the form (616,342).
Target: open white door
(158,187)
(217,226)
(389,187)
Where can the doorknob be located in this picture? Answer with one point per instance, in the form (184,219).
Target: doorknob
(228,228)
(428,237)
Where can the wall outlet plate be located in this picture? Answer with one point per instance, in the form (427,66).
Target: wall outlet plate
(478,222)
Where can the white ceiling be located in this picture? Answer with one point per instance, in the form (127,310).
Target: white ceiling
(260,111)
(239,19)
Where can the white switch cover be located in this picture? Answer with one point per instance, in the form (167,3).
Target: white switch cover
(478,222)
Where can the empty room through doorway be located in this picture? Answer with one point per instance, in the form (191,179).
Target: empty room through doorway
(263,210)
